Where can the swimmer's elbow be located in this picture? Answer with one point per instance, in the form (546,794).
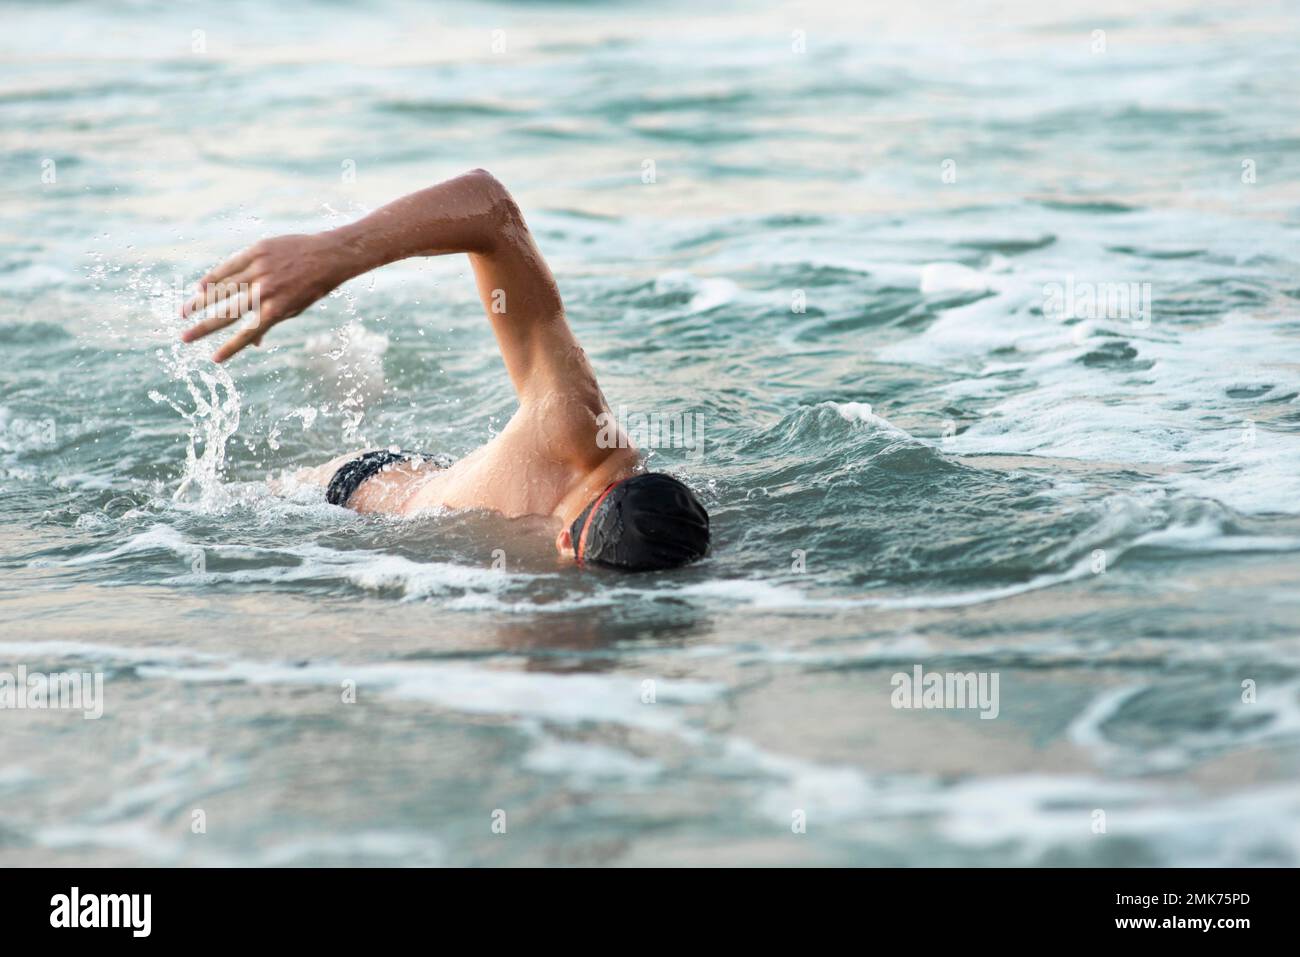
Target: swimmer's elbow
(501,205)
(485,179)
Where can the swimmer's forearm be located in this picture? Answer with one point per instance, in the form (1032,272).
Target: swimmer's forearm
(472,214)
(467,214)
(276,279)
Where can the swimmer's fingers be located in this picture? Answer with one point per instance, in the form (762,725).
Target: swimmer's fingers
(248,335)
(207,326)
(236,342)
(224,312)
(235,264)
(213,292)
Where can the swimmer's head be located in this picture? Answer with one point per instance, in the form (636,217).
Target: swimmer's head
(642,523)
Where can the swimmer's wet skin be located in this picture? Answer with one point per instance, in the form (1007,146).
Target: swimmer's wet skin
(549,459)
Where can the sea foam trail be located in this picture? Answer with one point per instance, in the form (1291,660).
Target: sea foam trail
(456,686)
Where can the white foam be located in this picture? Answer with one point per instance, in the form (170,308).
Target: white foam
(758,594)
(1165,409)
(393,846)
(1275,713)
(456,686)
(163,538)
(860,413)
(706,293)
(586,764)
(954,277)
(969,334)
(371,571)
(561,698)
(1207,535)
(822,792)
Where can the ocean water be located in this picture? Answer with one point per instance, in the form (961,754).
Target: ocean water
(989,320)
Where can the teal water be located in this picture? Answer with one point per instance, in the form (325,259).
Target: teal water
(911,457)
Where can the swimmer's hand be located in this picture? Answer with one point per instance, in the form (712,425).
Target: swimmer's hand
(271,281)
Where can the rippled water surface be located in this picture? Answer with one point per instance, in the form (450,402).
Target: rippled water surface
(910,458)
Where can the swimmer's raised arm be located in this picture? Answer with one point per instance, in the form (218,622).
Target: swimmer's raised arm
(471,214)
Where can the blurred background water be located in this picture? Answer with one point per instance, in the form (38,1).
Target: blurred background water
(841,263)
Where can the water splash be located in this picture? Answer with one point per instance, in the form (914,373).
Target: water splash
(353,357)
(213,419)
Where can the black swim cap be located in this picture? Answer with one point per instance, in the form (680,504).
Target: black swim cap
(641,523)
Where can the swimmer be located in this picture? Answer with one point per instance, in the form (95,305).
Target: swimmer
(553,458)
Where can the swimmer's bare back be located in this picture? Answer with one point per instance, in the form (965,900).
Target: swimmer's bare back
(549,459)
